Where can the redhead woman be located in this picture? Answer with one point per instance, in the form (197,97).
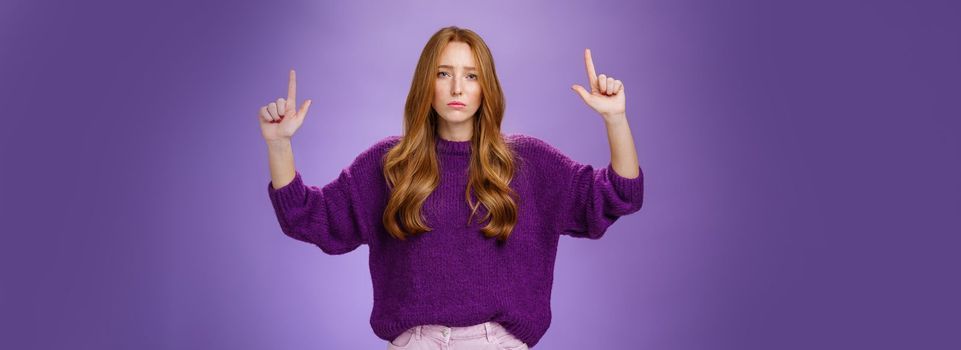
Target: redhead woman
(462,221)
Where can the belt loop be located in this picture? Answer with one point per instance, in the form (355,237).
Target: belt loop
(418,332)
(490,333)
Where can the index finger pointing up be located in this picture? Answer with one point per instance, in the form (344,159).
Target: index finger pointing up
(292,88)
(591,75)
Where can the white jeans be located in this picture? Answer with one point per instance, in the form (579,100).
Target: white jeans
(484,336)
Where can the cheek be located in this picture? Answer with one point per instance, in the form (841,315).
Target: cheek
(439,93)
(475,92)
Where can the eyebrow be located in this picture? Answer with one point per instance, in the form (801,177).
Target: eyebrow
(452,67)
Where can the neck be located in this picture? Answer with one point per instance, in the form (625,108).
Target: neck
(461,131)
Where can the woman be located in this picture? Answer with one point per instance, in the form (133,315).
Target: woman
(442,277)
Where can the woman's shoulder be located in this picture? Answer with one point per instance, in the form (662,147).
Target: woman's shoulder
(524,142)
(519,141)
(385,144)
(529,145)
(372,157)
(524,145)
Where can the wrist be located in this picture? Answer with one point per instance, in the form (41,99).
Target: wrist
(615,119)
(278,143)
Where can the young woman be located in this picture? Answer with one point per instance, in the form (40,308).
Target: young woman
(462,221)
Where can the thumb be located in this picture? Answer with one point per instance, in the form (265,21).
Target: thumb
(303,109)
(581,91)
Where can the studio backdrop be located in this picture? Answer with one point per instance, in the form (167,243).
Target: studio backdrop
(800,159)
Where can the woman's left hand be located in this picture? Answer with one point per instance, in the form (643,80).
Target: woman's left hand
(607,94)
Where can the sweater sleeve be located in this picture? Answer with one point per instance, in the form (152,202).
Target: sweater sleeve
(327,217)
(591,200)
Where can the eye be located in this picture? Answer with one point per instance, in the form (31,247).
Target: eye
(439,73)
(472,76)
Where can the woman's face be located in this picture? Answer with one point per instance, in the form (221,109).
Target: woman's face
(456,81)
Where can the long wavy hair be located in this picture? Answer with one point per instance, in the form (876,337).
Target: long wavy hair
(411,168)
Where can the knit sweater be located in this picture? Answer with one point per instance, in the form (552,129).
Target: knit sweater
(453,275)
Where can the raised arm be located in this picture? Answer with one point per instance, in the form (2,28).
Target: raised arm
(607,97)
(279,120)
(594,199)
(327,216)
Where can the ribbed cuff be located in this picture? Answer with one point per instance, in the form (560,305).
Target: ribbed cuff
(291,195)
(626,188)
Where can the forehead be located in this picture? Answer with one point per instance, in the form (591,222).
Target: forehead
(457,54)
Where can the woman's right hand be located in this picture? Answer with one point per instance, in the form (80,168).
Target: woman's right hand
(279,120)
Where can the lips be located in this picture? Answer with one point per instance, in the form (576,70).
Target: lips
(456,104)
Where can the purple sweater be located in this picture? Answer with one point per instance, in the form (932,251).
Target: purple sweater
(453,275)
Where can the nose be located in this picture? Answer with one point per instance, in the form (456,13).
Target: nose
(455,87)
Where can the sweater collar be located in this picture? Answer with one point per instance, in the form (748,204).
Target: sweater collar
(452,147)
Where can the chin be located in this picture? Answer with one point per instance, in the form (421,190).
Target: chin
(457,117)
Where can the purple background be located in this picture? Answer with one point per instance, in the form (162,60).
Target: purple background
(801,161)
